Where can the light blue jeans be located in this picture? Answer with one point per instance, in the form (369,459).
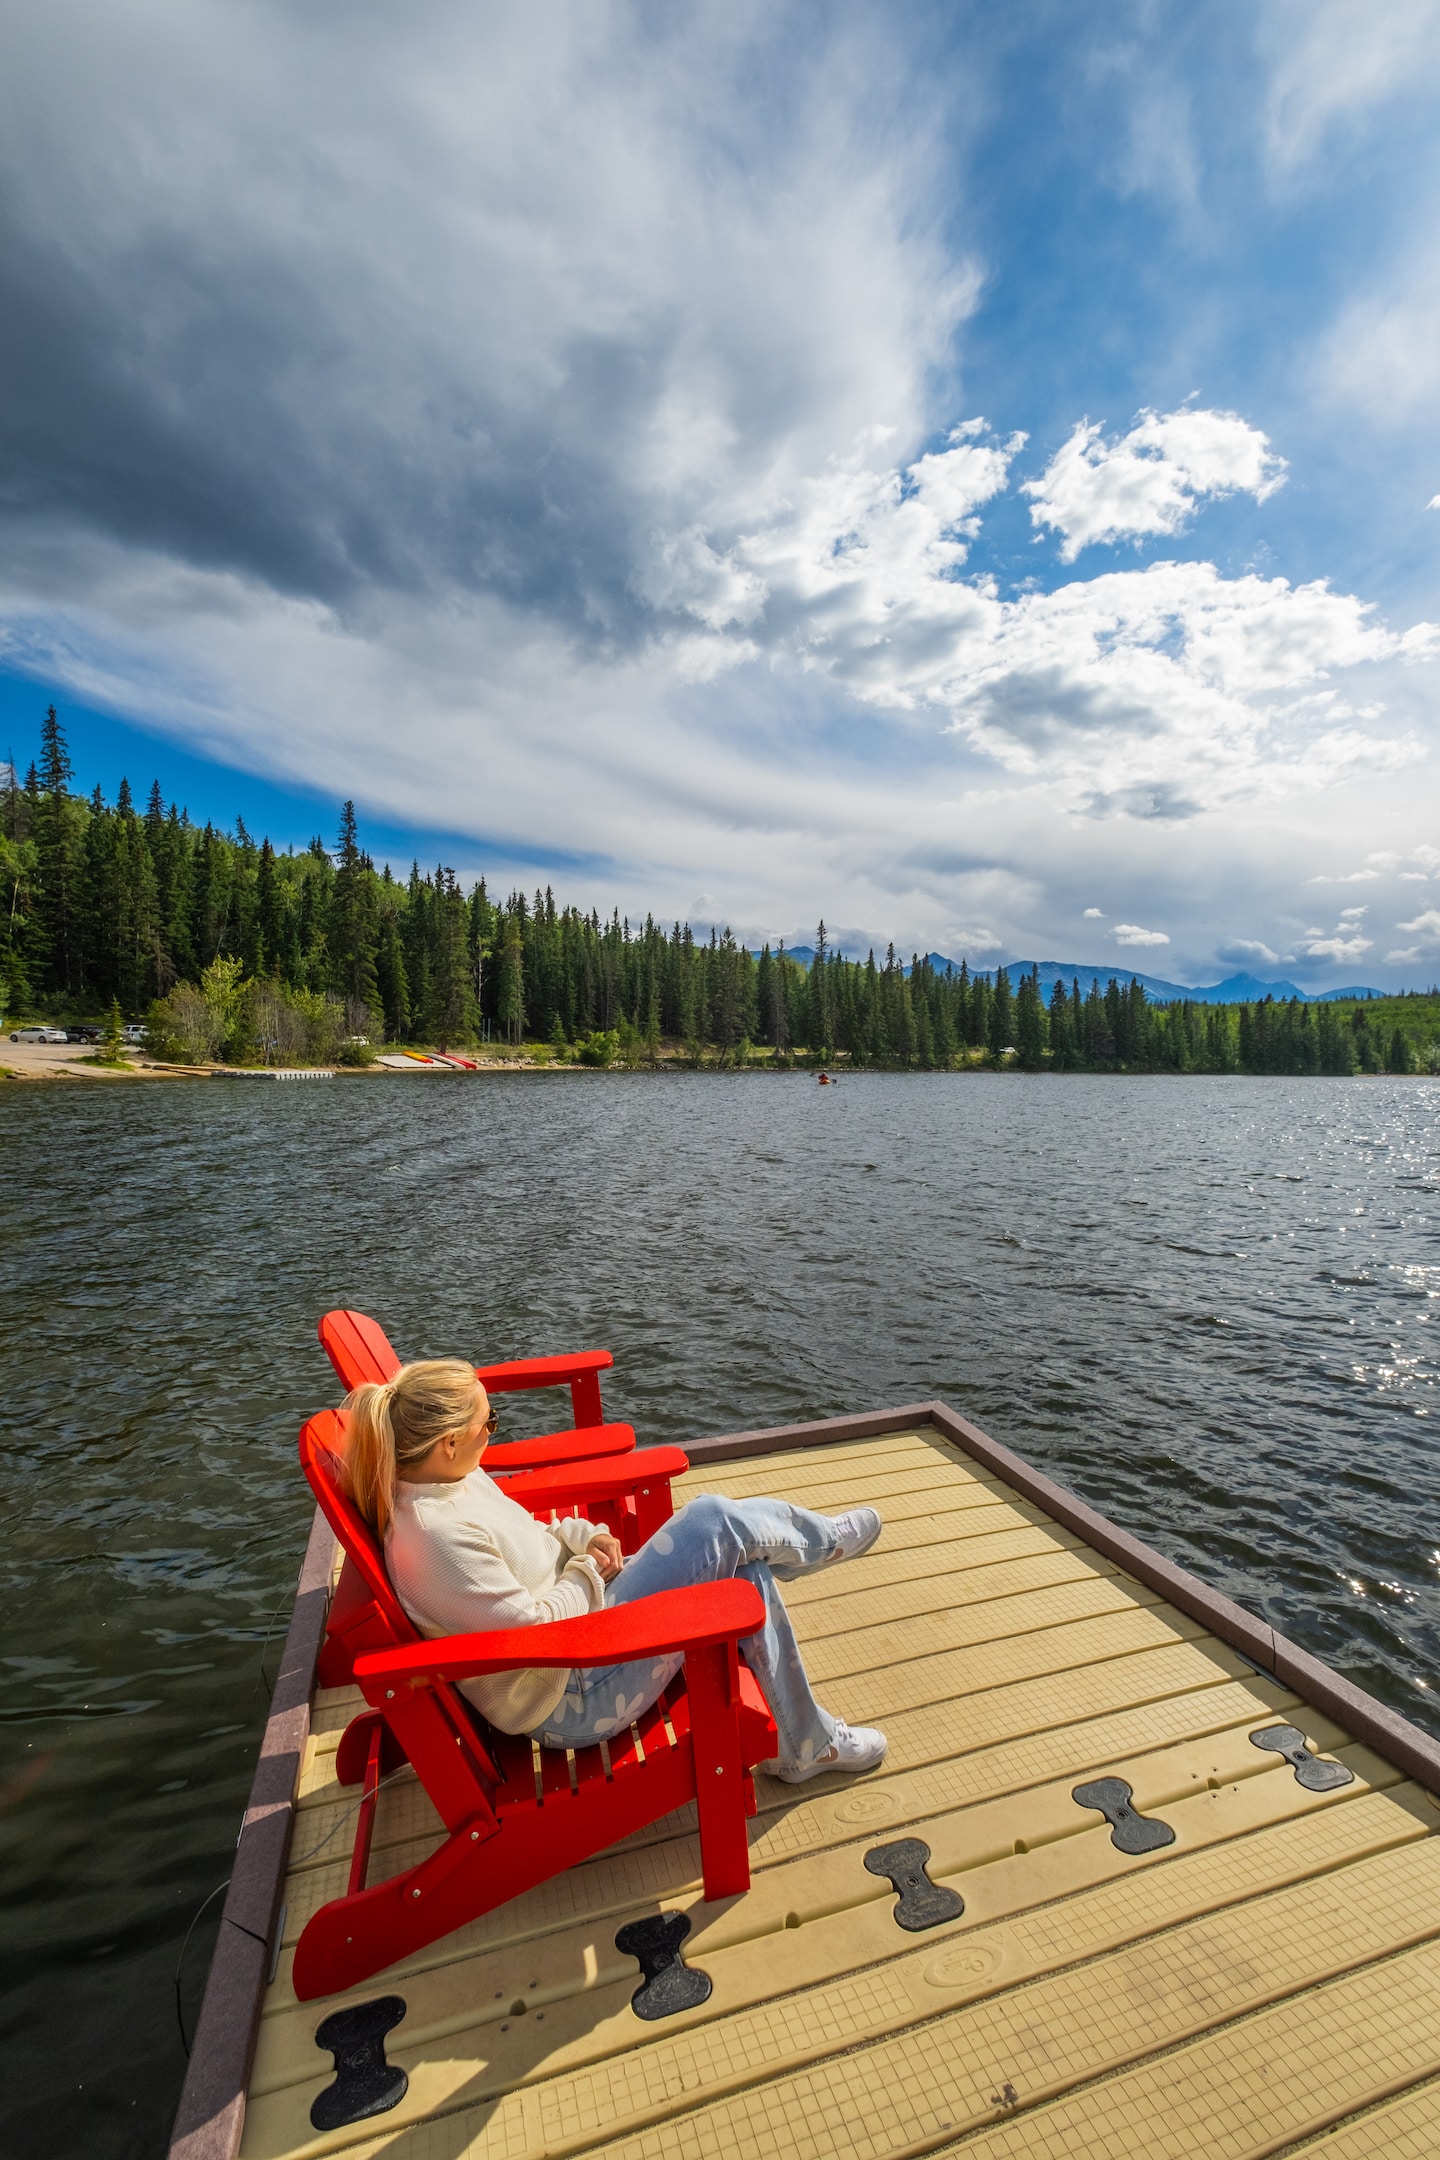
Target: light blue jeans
(711,1539)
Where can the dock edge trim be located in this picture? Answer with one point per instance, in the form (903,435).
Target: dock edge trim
(211,2114)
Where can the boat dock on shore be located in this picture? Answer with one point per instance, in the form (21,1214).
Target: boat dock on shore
(1138,1878)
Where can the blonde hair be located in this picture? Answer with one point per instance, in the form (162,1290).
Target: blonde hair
(392,1425)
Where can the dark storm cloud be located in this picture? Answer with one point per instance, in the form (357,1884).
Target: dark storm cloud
(196,407)
(347,300)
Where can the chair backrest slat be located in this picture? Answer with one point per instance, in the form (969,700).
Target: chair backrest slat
(358,1347)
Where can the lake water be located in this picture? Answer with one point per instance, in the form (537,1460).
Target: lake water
(1208,1305)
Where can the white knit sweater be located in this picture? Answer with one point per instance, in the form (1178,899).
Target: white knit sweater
(463,1557)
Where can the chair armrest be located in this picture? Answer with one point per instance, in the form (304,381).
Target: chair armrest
(670,1620)
(549,1451)
(517,1374)
(609,1478)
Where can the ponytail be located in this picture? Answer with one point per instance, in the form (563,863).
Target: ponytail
(370,1452)
(392,1426)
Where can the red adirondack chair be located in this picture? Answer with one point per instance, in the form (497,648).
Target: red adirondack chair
(504,1838)
(594,1470)
(359,1349)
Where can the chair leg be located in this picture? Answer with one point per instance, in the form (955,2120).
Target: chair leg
(712,1683)
(365,1827)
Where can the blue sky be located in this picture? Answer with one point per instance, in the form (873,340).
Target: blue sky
(970,473)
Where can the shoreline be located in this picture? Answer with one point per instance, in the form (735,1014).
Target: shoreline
(50,1064)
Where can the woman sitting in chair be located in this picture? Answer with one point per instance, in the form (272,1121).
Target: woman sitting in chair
(463,1557)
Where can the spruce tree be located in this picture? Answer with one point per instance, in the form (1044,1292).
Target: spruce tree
(391,979)
(1060,1032)
(780,1003)
(821,1029)
(1029,1024)
(57,863)
(352,930)
(1001,1021)
(14,800)
(943,1028)
(510,990)
(451,1015)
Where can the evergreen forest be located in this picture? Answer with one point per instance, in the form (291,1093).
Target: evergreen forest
(229,949)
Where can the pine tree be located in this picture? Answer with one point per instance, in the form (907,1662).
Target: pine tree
(510,993)
(1029,1024)
(822,1011)
(56,863)
(112,1041)
(943,1028)
(450,1016)
(1001,1022)
(352,932)
(1061,1038)
(391,978)
(780,1004)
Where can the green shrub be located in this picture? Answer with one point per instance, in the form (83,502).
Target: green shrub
(601,1048)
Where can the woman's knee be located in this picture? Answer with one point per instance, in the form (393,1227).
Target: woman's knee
(707,1512)
(717,1522)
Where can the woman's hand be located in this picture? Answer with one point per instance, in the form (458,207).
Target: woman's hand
(605,1551)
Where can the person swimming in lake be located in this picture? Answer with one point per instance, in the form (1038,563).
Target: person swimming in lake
(465,1557)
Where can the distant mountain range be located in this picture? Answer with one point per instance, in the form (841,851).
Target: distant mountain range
(1235,990)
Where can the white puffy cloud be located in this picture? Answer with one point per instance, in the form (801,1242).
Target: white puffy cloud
(860,560)
(1385,862)
(1344,942)
(1095,914)
(1242,952)
(1129,933)
(1148,484)
(1426,931)
(1338,948)
(1156,693)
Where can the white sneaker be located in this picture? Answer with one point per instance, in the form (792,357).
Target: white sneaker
(856,1531)
(855,1748)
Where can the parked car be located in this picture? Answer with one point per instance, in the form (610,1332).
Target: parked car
(133,1032)
(82,1034)
(38,1034)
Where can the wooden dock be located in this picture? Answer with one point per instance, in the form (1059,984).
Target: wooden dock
(1267,1980)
